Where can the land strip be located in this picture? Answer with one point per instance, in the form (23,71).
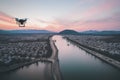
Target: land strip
(109,60)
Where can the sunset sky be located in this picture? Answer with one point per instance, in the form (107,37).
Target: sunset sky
(57,15)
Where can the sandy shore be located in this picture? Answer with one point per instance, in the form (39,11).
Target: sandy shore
(100,56)
(54,49)
(55,62)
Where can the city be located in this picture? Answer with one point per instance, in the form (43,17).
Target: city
(15,49)
(59,39)
(108,45)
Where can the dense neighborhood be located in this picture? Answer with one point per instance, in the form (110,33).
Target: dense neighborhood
(20,49)
(108,44)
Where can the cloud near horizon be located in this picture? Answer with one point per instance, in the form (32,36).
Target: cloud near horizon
(85,15)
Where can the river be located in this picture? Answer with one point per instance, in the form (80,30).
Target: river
(36,71)
(76,64)
(73,63)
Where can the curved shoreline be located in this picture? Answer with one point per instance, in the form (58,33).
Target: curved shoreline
(19,65)
(108,60)
(54,49)
(16,66)
(55,64)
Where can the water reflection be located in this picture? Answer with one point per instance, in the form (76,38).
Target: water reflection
(73,62)
(77,64)
(45,70)
(36,71)
(56,70)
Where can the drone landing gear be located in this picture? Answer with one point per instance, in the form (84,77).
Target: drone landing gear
(21,25)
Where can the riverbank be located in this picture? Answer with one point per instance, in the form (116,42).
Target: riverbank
(55,62)
(15,66)
(98,55)
(19,65)
(54,49)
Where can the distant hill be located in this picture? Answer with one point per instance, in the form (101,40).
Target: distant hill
(24,31)
(4,32)
(90,31)
(73,32)
(94,32)
(69,32)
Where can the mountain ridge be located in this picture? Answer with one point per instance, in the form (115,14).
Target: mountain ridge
(67,31)
(24,31)
(95,32)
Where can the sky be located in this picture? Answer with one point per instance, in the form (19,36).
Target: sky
(58,15)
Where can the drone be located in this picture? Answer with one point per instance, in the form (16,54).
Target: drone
(21,22)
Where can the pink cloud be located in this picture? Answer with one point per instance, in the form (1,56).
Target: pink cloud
(7,21)
(6,18)
(108,23)
(111,23)
(87,20)
(98,10)
(73,21)
(102,9)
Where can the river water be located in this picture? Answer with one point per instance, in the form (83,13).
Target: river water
(74,64)
(36,71)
